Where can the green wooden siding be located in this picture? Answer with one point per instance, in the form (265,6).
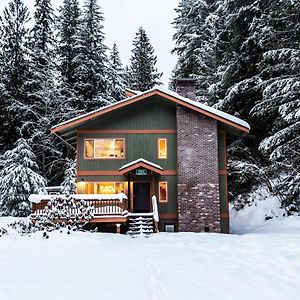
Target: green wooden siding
(136,146)
(223,182)
(153,114)
(222,152)
(169,207)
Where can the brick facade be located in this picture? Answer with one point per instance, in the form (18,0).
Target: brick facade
(197,166)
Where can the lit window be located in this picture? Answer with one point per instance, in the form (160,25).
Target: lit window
(89,148)
(109,187)
(162,148)
(163,192)
(104,148)
(89,188)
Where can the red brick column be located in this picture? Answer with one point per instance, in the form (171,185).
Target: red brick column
(197,166)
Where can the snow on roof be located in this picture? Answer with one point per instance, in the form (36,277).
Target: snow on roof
(207,108)
(141,160)
(202,106)
(99,109)
(133,91)
(38,198)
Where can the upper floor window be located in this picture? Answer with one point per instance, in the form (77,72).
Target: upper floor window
(104,148)
(162,148)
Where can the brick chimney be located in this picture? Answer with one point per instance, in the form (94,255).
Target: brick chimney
(186,87)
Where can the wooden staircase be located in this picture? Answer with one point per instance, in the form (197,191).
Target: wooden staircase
(140,224)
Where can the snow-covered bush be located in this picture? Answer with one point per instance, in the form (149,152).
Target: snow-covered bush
(18,179)
(63,212)
(69,183)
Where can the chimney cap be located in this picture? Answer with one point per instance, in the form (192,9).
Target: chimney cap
(186,81)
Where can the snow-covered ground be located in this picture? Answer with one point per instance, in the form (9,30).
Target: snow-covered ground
(261,265)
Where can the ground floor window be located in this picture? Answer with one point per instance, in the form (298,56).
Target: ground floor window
(101,188)
(163,191)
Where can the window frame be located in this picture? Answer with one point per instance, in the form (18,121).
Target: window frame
(158,146)
(103,158)
(114,183)
(167,192)
(99,182)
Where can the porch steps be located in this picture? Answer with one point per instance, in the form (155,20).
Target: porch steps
(140,224)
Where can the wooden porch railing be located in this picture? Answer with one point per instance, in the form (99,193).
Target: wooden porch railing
(101,207)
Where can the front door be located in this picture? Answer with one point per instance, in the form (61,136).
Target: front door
(141,197)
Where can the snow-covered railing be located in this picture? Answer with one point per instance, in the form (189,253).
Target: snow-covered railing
(155,213)
(102,204)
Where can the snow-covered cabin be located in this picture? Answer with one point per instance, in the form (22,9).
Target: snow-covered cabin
(160,143)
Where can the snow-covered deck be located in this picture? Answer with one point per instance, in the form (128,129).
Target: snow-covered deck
(107,208)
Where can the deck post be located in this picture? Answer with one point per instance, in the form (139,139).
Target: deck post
(129,191)
(118,228)
(155,226)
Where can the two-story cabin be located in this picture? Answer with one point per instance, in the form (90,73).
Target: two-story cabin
(158,143)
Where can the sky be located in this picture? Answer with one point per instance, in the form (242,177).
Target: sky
(122,20)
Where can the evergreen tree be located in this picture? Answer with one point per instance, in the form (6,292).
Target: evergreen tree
(42,86)
(67,27)
(127,76)
(19,179)
(15,67)
(69,183)
(257,67)
(116,76)
(92,63)
(144,74)
(196,45)
(279,105)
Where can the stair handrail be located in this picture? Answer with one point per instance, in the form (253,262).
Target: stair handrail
(155,209)
(155,212)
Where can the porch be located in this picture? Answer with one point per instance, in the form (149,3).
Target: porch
(106,209)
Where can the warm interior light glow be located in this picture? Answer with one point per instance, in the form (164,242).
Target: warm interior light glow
(101,187)
(104,148)
(163,191)
(89,188)
(109,187)
(89,148)
(162,148)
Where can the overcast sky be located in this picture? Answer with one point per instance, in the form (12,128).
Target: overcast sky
(124,17)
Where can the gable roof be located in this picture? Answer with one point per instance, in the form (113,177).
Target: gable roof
(141,162)
(166,94)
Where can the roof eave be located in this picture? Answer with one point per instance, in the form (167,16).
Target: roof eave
(139,97)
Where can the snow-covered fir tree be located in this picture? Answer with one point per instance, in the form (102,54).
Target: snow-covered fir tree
(144,74)
(196,45)
(116,76)
(14,72)
(127,74)
(92,62)
(18,179)
(69,183)
(49,106)
(279,105)
(67,35)
(257,72)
